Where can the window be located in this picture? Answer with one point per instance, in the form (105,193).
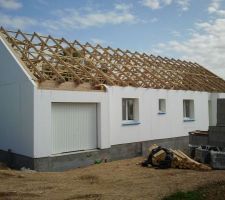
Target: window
(162,106)
(188,109)
(130,109)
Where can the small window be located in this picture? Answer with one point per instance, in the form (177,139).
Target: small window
(188,109)
(129,109)
(162,106)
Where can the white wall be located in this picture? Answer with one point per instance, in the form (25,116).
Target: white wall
(213,97)
(111,131)
(16,105)
(25,111)
(222,95)
(42,116)
(153,125)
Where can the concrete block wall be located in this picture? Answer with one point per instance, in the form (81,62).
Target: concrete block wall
(217,136)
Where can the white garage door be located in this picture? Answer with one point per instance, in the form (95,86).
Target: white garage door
(74,127)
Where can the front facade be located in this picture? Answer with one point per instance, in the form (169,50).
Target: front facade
(110,128)
(57,126)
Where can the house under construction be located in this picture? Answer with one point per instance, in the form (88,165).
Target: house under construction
(65,104)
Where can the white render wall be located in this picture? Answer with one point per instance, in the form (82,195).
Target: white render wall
(42,116)
(152,125)
(16,105)
(213,97)
(111,130)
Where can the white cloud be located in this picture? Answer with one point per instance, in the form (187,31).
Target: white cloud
(157,4)
(215,4)
(123,7)
(184,4)
(10,4)
(153,4)
(215,8)
(70,19)
(17,22)
(205,46)
(74,19)
(167,2)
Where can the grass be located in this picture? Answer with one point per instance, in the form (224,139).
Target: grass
(207,192)
(192,195)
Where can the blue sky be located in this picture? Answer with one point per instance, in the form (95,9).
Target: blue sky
(186,29)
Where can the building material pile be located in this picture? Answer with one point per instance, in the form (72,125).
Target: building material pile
(208,147)
(182,161)
(165,158)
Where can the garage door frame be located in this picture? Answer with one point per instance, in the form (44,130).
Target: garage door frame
(97,123)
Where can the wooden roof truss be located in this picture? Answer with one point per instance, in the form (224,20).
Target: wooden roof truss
(51,59)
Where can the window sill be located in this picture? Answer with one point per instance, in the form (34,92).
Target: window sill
(189,120)
(130,122)
(161,113)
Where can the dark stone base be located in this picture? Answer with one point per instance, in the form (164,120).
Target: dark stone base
(217,136)
(81,159)
(16,161)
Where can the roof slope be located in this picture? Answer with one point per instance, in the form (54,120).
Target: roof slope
(48,58)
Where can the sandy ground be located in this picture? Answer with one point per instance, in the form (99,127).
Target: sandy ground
(115,180)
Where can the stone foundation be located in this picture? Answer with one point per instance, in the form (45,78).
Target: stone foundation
(81,159)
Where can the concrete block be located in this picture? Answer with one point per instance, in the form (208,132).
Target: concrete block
(197,139)
(124,151)
(202,155)
(71,160)
(217,159)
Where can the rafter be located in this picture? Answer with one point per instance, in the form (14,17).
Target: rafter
(52,59)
